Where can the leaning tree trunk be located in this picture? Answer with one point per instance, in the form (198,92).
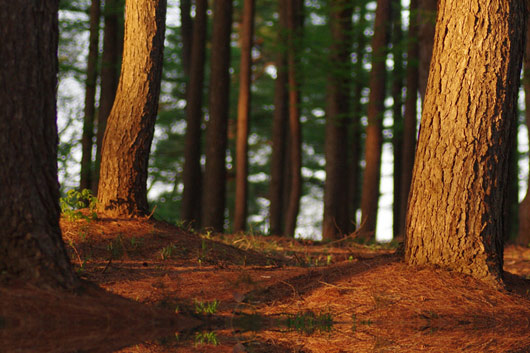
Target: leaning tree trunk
(31,247)
(336,211)
(374,130)
(243,116)
(130,127)
(214,198)
(455,218)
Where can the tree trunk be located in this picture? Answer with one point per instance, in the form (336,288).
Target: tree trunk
(192,176)
(294,25)
(110,69)
(214,196)
(243,115)
(426,19)
(90,97)
(523,233)
(376,108)
(455,218)
(127,142)
(31,247)
(186,32)
(397,114)
(409,124)
(278,183)
(336,212)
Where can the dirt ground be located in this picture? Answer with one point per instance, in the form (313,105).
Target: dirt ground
(171,290)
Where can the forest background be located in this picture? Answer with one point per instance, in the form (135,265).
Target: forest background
(165,183)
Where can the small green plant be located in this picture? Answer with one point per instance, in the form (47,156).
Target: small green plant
(76,200)
(206,308)
(116,247)
(206,338)
(308,322)
(168,251)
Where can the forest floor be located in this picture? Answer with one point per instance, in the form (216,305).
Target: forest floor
(246,293)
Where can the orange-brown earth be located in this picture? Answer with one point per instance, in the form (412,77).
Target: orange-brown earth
(273,294)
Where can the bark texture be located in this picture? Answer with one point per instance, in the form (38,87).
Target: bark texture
(336,211)
(90,97)
(374,134)
(31,247)
(192,174)
(130,127)
(455,217)
(243,117)
(214,195)
(426,13)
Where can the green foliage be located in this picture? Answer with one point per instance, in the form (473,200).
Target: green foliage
(206,308)
(76,200)
(168,251)
(206,338)
(308,322)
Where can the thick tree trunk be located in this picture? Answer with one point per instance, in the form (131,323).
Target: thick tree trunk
(294,25)
(127,142)
(31,247)
(410,120)
(374,135)
(278,183)
(110,73)
(427,20)
(455,218)
(90,98)
(336,212)
(214,195)
(192,175)
(243,115)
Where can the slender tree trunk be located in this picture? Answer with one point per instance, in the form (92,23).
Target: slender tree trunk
(186,32)
(523,233)
(397,114)
(410,121)
(279,129)
(214,196)
(31,247)
(294,24)
(243,115)
(122,185)
(354,187)
(192,176)
(110,73)
(90,98)
(336,212)
(426,13)
(376,108)
(455,218)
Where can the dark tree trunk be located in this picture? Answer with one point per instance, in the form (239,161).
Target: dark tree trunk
(410,120)
(397,114)
(90,98)
(243,116)
(31,247)
(455,217)
(122,184)
(214,195)
(110,73)
(376,108)
(426,13)
(186,32)
(294,25)
(278,183)
(192,176)
(336,212)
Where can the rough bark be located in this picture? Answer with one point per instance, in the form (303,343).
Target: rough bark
(376,107)
(243,116)
(455,218)
(214,195)
(523,233)
(336,211)
(122,185)
(90,97)
(110,73)
(426,20)
(31,247)
(294,25)
(279,129)
(192,175)
(410,120)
